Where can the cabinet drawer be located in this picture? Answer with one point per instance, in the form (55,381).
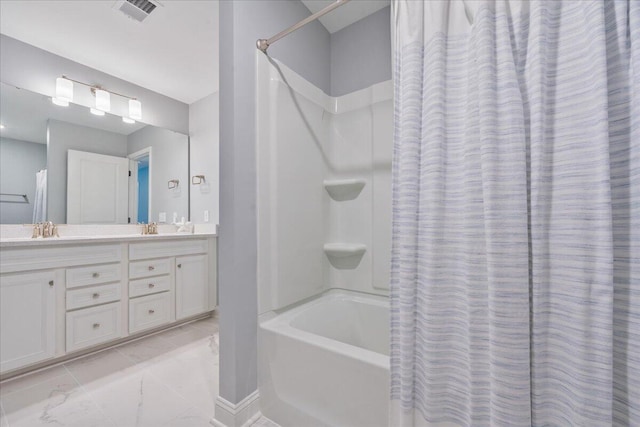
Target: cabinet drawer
(148,312)
(148,286)
(92,326)
(93,275)
(79,298)
(157,249)
(155,267)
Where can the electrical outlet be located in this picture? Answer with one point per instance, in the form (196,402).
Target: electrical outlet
(162,217)
(206,216)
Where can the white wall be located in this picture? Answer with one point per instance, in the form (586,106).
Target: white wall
(169,160)
(62,137)
(204,134)
(19,163)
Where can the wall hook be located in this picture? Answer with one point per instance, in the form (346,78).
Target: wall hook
(197,179)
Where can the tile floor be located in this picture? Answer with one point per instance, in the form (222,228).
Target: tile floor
(168,379)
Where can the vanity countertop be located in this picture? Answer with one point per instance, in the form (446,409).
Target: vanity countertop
(20,235)
(25,241)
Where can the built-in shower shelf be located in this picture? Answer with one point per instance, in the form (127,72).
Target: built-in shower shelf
(344,189)
(344,256)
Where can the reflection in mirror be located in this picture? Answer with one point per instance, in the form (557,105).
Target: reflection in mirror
(77,168)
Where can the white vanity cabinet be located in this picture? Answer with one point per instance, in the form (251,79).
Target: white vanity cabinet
(27,318)
(192,285)
(65,298)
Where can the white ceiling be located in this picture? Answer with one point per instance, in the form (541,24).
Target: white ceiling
(174,51)
(346,14)
(24,115)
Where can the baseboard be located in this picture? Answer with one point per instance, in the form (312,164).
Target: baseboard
(239,414)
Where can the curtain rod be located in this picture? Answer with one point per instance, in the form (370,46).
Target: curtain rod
(263,44)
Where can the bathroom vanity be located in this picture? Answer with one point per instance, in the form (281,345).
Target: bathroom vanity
(63,297)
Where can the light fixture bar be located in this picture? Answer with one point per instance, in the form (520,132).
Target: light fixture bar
(96,87)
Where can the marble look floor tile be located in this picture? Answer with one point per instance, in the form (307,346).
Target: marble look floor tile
(210,324)
(139,401)
(99,368)
(57,401)
(3,418)
(147,349)
(191,418)
(30,380)
(185,336)
(264,422)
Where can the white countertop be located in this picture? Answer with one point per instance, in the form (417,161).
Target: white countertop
(20,235)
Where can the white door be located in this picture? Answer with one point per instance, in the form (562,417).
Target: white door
(97,188)
(192,285)
(27,319)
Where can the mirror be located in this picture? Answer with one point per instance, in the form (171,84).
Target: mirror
(66,165)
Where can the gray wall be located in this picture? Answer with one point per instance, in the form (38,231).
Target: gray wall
(306,52)
(31,68)
(19,163)
(204,133)
(361,53)
(62,137)
(169,160)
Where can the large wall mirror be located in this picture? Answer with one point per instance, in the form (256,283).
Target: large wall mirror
(66,165)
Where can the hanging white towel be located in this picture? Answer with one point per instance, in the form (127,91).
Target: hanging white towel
(40,200)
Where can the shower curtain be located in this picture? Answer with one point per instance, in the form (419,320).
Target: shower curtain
(515,286)
(40,199)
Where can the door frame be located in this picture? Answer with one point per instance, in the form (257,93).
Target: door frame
(136,156)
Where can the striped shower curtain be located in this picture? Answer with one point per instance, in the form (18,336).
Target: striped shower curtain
(515,288)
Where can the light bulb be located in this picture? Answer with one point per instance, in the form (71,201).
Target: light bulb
(103,100)
(128,120)
(135,109)
(64,89)
(96,112)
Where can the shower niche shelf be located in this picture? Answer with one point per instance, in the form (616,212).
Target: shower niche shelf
(344,189)
(344,256)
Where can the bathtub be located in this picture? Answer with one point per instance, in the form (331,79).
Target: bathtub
(326,362)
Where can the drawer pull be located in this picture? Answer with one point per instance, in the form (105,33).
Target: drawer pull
(179,265)
(95,275)
(51,283)
(151,285)
(151,311)
(96,295)
(96,325)
(151,268)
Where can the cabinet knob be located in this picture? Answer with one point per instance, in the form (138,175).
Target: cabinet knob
(179,265)
(151,311)
(51,283)
(96,325)
(96,275)
(151,285)
(96,295)
(151,268)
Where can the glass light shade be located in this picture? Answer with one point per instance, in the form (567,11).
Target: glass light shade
(135,109)
(64,89)
(60,102)
(96,112)
(128,120)
(103,100)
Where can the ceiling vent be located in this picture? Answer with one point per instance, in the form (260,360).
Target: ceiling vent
(136,9)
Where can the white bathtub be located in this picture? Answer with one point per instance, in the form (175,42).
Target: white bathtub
(326,362)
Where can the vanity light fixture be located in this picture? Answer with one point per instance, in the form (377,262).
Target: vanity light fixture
(64,95)
(103,100)
(64,91)
(135,109)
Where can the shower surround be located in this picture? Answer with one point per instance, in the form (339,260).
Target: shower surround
(324,241)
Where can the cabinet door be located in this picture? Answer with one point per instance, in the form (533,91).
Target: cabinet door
(27,319)
(192,285)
